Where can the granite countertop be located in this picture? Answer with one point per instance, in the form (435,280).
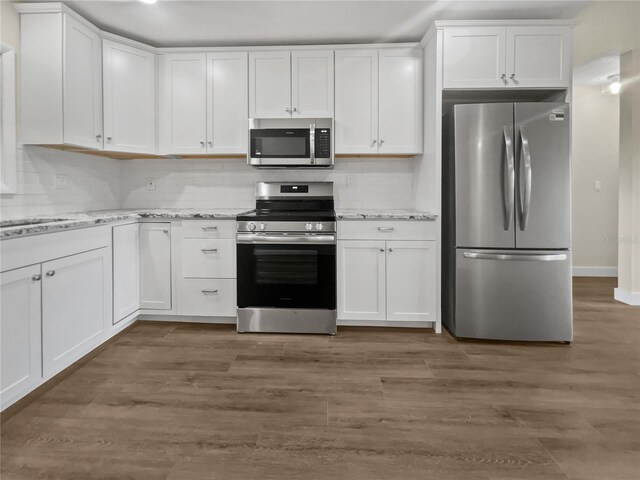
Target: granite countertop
(67,221)
(374,214)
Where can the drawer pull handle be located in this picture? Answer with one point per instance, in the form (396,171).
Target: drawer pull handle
(209,291)
(209,250)
(386,229)
(209,229)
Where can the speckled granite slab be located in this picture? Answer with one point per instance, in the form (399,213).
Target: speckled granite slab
(46,224)
(384,215)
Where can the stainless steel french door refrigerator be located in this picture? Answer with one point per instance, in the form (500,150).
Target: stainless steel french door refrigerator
(506,222)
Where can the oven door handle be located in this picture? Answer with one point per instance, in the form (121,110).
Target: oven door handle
(259,238)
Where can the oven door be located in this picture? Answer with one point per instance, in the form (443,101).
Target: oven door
(280,146)
(277,271)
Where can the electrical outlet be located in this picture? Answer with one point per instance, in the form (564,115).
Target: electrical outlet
(151,184)
(597,185)
(60,181)
(351,181)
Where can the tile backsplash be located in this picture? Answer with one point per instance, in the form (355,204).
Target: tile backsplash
(52,182)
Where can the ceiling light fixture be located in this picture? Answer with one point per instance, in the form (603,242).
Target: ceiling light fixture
(148,1)
(612,85)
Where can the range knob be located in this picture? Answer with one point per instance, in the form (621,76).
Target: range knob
(262,226)
(308,226)
(252,226)
(319,226)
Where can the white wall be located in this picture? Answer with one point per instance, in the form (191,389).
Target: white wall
(602,28)
(93,183)
(595,157)
(184,183)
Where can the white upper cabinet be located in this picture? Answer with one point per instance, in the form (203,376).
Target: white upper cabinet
(356,122)
(227,117)
(312,83)
(284,84)
(61,75)
(474,57)
(270,84)
(538,56)
(82,85)
(507,56)
(400,100)
(182,119)
(378,101)
(129,98)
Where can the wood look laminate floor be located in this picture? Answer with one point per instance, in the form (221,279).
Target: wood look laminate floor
(185,401)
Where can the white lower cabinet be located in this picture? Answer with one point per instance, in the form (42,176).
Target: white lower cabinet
(20,332)
(126,268)
(76,306)
(209,297)
(208,258)
(391,281)
(411,274)
(361,280)
(155,266)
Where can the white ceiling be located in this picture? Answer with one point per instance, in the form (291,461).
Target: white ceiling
(174,23)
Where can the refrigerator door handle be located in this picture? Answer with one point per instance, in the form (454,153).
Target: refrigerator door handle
(525,179)
(547,257)
(509,183)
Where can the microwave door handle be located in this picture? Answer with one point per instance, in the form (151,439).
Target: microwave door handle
(312,143)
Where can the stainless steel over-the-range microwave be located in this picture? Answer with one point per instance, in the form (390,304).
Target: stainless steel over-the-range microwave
(290,145)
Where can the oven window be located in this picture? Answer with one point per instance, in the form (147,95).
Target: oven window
(283,146)
(285,267)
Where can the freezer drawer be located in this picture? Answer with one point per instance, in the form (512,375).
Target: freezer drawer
(513,295)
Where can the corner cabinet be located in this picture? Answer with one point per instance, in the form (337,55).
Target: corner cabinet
(387,271)
(126,269)
(284,84)
(203,103)
(537,56)
(378,105)
(129,98)
(61,81)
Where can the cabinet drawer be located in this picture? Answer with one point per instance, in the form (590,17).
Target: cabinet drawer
(208,258)
(209,229)
(386,230)
(211,298)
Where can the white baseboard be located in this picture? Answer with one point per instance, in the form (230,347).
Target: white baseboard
(595,271)
(187,319)
(630,298)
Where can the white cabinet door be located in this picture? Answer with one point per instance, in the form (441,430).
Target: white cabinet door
(312,83)
(400,97)
(538,57)
(474,57)
(126,280)
(356,116)
(155,266)
(129,98)
(270,84)
(76,306)
(82,85)
(183,103)
(361,280)
(227,116)
(411,280)
(20,335)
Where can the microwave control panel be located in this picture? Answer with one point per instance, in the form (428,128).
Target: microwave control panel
(323,143)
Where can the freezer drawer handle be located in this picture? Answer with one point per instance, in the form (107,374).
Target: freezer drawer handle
(509,179)
(550,257)
(525,179)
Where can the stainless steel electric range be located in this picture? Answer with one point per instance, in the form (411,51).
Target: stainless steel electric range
(287,260)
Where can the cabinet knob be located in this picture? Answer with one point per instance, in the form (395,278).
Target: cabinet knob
(512,76)
(288,110)
(295,109)
(108,139)
(166,231)
(98,138)
(36,277)
(374,142)
(391,250)
(51,273)
(381,141)
(210,143)
(382,250)
(503,76)
(202,144)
